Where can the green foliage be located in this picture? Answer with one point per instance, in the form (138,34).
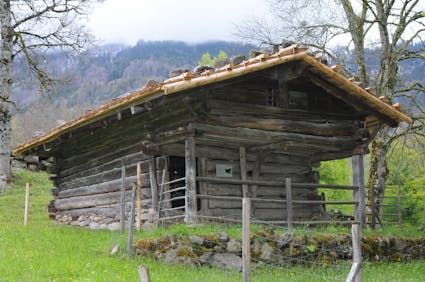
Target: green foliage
(46,251)
(336,172)
(206,59)
(407,165)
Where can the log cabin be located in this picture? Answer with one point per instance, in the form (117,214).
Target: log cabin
(267,118)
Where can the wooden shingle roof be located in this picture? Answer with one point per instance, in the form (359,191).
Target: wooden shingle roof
(348,91)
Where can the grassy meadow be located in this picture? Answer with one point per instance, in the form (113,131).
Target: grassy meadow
(46,251)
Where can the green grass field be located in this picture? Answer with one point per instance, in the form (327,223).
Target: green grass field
(46,251)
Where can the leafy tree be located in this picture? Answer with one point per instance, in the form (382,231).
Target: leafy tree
(206,59)
(390,27)
(28,28)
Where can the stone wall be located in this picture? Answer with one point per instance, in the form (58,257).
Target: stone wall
(279,249)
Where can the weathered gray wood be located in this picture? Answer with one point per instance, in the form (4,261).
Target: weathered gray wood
(289,211)
(243,170)
(399,210)
(144,273)
(246,240)
(256,171)
(139,196)
(203,186)
(190,160)
(122,201)
(359,194)
(153,182)
(27,199)
(355,274)
(131,223)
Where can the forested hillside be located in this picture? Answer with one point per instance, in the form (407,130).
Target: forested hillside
(109,71)
(104,73)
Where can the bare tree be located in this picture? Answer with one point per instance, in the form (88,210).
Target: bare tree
(29,28)
(390,27)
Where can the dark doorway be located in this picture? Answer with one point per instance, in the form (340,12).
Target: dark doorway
(177,169)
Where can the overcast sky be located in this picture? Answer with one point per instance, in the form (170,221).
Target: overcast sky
(127,21)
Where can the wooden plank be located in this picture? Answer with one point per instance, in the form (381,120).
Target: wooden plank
(144,273)
(190,162)
(355,274)
(153,182)
(131,224)
(203,186)
(122,201)
(359,194)
(246,240)
(139,196)
(243,170)
(289,211)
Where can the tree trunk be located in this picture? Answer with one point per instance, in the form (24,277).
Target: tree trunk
(378,175)
(6,32)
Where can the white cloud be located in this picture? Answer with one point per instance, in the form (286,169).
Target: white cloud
(127,21)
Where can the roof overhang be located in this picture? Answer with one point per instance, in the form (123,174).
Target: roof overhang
(189,81)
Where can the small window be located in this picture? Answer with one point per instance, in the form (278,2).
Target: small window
(224,170)
(271,97)
(298,100)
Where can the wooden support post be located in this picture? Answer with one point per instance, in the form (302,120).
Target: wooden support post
(243,167)
(283,93)
(246,242)
(154,183)
(131,224)
(144,274)
(139,197)
(122,202)
(289,210)
(255,176)
(27,199)
(191,209)
(359,195)
(372,208)
(355,274)
(203,186)
(399,210)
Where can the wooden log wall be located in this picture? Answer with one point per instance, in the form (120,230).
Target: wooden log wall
(283,140)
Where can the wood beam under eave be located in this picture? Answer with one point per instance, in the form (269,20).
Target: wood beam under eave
(358,104)
(327,156)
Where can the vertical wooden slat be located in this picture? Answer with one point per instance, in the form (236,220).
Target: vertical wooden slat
(203,186)
(289,210)
(154,183)
(359,194)
(139,197)
(243,166)
(27,199)
(399,211)
(246,242)
(355,274)
(122,202)
(191,209)
(144,274)
(255,175)
(131,224)
(283,93)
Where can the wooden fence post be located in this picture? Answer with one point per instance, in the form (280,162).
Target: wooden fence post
(139,197)
(122,205)
(191,209)
(246,243)
(359,195)
(289,210)
(399,210)
(243,170)
(27,199)
(131,224)
(355,274)
(154,183)
(144,273)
